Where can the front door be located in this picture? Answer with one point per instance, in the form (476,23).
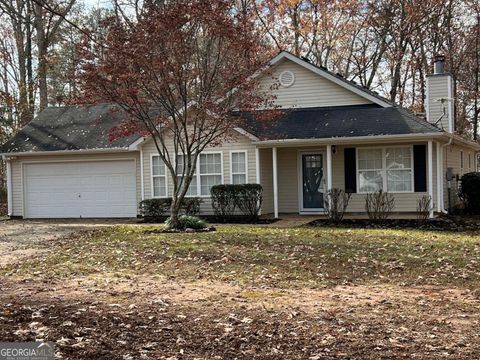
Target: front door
(312,181)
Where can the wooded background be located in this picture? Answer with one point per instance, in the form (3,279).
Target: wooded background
(386,46)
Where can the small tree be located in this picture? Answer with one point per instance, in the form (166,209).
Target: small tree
(178,72)
(379,205)
(336,203)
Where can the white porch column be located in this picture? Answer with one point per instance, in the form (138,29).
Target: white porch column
(329,168)
(257,165)
(439,178)
(142,180)
(275,182)
(257,170)
(430,174)
(9,188)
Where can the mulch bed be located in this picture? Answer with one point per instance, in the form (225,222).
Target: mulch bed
(218,220)
(444,223)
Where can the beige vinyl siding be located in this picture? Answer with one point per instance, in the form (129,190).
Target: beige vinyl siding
(17,171)
(452,159)
(288,180)
(266,179)
(237,143)
(438,88)
(309,89)
(404,202)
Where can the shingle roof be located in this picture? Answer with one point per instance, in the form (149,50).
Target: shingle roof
(70,128)
(341,121)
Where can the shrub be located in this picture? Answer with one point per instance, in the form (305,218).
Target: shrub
(188,222)
(3,195)
(154,209)
(470,192)
(158,209)
(424,206)
(249,199)
(336,202)
(223,200)
(379,205)
(191,205)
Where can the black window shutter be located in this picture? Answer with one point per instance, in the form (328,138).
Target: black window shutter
(420,168)
(350,164)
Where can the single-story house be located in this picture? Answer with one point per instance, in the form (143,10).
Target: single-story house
(335,134)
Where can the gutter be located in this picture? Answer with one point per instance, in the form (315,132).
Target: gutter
(64,152)
(443,147)
(349,140)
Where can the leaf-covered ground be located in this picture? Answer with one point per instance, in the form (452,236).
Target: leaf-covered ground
(128,292)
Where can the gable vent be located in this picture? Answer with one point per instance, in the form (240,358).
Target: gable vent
(287,78)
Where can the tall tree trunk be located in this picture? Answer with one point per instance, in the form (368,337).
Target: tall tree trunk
(477,81)
(20,45)
(42,48)
(29,66)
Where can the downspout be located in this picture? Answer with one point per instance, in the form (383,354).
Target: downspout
(444,146)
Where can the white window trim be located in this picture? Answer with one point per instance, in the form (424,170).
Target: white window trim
(152,176)
(246,165)
(384,167)
(197,170)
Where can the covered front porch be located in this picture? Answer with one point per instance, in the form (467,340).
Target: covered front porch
(296,178)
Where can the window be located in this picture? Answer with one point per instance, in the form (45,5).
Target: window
(461,160)
(159,177)
(388,169)
(238,167)
(210,171)
(192,189)
(207,173)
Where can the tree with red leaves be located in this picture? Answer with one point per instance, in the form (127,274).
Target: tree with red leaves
(179,72)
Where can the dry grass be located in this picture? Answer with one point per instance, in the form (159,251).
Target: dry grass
(249,293)
(295,257)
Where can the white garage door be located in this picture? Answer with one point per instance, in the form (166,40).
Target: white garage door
(80,189)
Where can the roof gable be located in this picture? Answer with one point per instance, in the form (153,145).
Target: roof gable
(314,86)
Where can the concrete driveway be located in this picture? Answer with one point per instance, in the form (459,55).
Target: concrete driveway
(20,238)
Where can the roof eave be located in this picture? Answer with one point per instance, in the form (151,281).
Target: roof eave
(350,140)
(66,152)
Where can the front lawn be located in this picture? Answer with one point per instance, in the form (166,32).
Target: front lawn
(277,257)
(244,292)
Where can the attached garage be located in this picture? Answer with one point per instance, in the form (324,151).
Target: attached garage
(80,189)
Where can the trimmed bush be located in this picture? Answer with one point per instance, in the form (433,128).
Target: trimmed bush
(188,222)
(155,209)
(245,197)
(191,205)
(249,199)
(470,192)
(379,205)
(158,209)
(223,200)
